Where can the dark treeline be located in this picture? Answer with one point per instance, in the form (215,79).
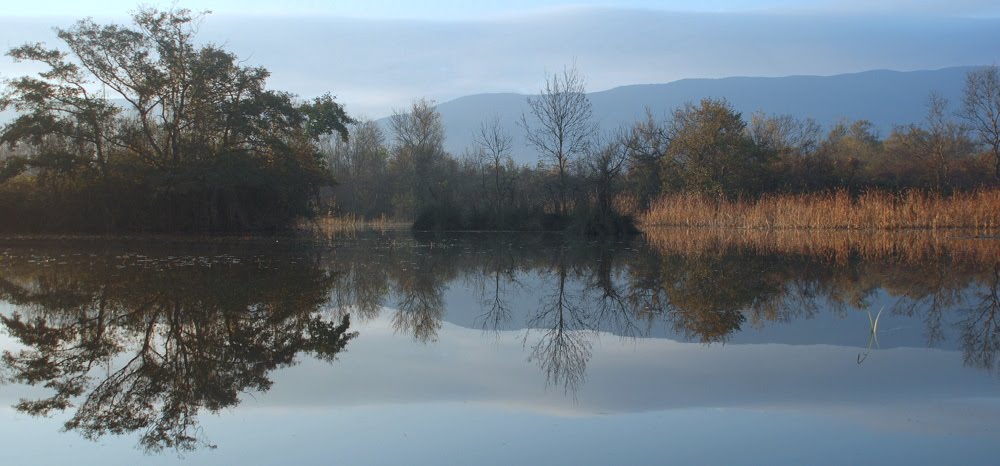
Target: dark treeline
(592,179)
(142,129)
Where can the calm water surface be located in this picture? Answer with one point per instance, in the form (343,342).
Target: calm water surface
(680,347)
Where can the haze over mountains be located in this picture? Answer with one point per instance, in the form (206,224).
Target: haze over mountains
(376,63)
(886,98)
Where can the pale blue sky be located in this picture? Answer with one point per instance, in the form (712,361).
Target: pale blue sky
(377,56)
(465,9)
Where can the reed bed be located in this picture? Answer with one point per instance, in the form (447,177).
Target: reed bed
(835,246)
(329,225)
(977,212)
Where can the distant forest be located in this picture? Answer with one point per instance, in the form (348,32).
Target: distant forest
(138,129)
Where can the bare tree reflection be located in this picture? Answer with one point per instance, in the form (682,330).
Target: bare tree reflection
(420,309)
(610,296)
(146,343)
(935,288)
(566,335)
(497,281)
(980,329)
(419,313)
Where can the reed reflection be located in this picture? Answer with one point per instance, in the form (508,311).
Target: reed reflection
(563,294)
(134,343)
(945,282)
(145,343)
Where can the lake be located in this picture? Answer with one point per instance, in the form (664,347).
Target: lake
(679,347)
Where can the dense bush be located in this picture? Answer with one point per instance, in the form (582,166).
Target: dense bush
(193,141)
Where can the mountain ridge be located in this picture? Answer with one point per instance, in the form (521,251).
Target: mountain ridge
(887,98)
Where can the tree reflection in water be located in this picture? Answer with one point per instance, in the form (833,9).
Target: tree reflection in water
(139,343)
(695,285)
(565,339)
(981,325)
(145,343)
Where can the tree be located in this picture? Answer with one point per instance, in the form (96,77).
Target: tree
(981,108)
(935,146)
(785,135)
(606,161)
(646,141)
(360,164)
(419,151)
(793,143)
(193,137)
(561,126)
(844,156)
(494,144)
(710,151)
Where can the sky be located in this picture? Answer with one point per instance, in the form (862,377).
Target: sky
(466,9)
(467,399)
(378,56)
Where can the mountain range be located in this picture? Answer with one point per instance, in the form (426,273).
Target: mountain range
(885,98)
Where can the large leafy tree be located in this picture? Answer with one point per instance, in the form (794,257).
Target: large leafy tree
(711,152)
(146,105)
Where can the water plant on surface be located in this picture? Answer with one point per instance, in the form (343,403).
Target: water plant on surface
(872,334)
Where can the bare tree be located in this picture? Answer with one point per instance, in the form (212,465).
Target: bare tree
(646,141)
(494,144)
(419,148)
(937,145)
(360,165)
(421,127)
(784,134)
(982,108)
(606,160)
(561,125)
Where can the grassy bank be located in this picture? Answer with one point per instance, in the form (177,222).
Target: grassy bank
(977,211)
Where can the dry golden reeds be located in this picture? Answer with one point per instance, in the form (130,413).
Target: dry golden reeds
(837,246)
(978,211)
(329,225)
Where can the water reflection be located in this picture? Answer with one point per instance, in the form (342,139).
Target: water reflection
(694,286)
(980,325)
(145,342)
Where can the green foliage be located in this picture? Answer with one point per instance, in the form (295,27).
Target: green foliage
(194,141)
(710,152)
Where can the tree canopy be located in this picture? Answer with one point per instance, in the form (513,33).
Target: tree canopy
(158,132)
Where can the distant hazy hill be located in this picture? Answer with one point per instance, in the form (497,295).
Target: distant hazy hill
(886,98)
